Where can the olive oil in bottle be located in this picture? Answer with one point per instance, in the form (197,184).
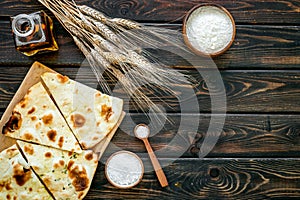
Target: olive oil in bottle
(33,33)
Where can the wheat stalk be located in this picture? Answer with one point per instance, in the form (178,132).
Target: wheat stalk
(115,45)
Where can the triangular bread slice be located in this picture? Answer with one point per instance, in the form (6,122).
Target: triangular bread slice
(17,180)
(67,175)
(36,119)
(90,114)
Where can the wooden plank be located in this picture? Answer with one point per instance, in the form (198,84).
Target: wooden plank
(246,91)
(211,179)
(242,136)
(255,47)
(244,11)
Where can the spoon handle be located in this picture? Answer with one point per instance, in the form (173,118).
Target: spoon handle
(158,170)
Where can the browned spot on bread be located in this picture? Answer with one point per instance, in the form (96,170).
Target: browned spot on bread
(89,110)
(31,111)
(38,125)
(61,162)
(89,156)
(44,106)
(70,164)
(15,198)
(14,123)
(78,120)
(95,138)
(35,168)
(65,103)
(47,119)
(1,186)
(52,135)
(48,154)
(70,153)
(80,194)
(98,94)
(105,109)
(20,174)
(28,149)
(23,102)
(8,197)
(33,118)
(62,79)
(61,141)
(83,145)
(8,186)
(106,112)
(30,189)
(5,184)
(108,116)
(79,178)
(56,166)
(98,123)
(47,181)
(27,136)
(28,92)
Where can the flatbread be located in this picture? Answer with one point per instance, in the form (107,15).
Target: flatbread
(90,114)
(36,119)
(17,180)
(67,175)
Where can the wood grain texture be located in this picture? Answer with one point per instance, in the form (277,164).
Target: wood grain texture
(247,91)
(244,11)
(211,179)
(241,136)
(255,47)
(256,155)
(246,136)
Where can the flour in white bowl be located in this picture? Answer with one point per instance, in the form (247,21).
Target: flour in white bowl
(209,29)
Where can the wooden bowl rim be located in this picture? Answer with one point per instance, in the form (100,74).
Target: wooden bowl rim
(186,40)
(124,186)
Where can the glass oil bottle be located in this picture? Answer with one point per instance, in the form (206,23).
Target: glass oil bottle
(33,33)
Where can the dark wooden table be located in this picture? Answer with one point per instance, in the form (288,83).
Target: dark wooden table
(257,154)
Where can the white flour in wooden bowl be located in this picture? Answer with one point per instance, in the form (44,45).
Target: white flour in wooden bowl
(142,131)
(124,169)
(209,29)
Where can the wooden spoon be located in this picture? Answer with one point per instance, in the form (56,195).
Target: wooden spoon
(142,132)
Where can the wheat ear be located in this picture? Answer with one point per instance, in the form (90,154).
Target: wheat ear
(116,46)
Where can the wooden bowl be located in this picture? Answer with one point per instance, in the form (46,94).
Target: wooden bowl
(113,182)
(198,51)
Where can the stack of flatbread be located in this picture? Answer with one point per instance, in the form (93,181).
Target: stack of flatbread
(56,125)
